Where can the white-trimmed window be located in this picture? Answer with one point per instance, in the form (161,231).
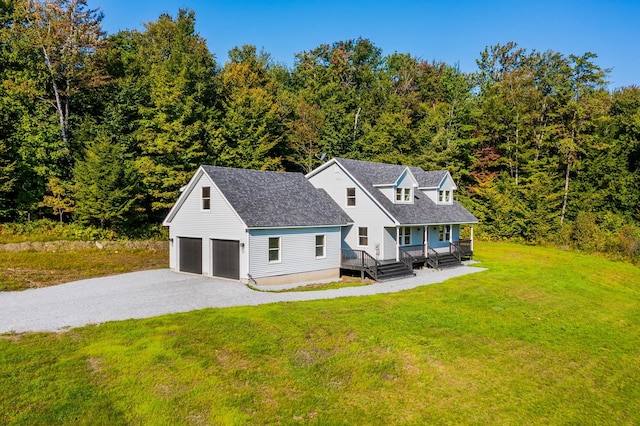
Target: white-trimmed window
(405,235)
(274,249)
(363,236)
(206,198)
(351,197)
(444,233)
(445,197)
(321,246)
(403,195)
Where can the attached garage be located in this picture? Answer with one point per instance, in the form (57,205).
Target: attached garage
(190,255)
(226,259)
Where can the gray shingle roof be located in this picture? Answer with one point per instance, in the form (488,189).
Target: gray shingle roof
(276,199)
(423,210)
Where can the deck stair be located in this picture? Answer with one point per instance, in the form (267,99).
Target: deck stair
(393,270)
(447,260)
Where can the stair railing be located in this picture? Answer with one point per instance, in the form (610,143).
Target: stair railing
(454,249)
(370,264)
(432,257)
(407,258)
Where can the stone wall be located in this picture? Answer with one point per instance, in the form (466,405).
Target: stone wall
(83,245)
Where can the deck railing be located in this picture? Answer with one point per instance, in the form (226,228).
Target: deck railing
(360,260)
(462,249)
(416,251)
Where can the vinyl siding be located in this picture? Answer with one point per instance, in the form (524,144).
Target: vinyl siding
(389,244)
(297,251)
(221,222)
(366,213)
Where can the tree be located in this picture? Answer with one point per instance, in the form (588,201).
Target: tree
(176,123)
(58,197)
(252,126)
(67,33)
(104,186)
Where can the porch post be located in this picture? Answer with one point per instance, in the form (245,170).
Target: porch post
(471,236)
(426,240)
(397,243)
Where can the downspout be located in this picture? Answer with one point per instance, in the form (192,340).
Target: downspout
(246,254)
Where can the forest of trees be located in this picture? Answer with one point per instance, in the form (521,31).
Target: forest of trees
(104,130)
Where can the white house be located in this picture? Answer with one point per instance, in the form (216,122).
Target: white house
(276,228)
(255,226)
(399,212)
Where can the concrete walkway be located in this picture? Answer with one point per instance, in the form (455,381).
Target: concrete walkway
(158,292)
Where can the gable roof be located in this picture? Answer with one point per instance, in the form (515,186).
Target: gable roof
(423,210)
(265,199)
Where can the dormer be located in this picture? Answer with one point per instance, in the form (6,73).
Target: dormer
(402,190)
(439,187)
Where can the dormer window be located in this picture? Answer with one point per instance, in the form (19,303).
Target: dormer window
(445,197)
(403,195)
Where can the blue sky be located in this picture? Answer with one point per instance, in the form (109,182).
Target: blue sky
(451,31)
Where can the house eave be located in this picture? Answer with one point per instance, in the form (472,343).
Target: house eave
(257,228)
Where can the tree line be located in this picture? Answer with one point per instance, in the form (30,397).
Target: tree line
(104,129)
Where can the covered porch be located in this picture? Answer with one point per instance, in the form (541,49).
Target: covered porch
(435,245)
(404,248)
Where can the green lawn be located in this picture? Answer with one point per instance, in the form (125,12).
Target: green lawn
(543,337)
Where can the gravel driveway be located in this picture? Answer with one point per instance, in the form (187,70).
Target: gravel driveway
(158,292)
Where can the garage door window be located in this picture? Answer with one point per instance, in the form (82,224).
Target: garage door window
(274,249)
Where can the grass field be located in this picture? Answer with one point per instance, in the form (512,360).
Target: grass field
(543,337)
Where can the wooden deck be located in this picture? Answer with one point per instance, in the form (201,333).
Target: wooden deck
(410,256)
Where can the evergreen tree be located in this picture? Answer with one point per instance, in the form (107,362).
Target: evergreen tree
(104,186)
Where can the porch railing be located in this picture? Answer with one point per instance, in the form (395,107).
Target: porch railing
(461,249)
(360,260)
(417,251)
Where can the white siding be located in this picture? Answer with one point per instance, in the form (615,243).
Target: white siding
(431,193)
(388,191)
(298,251)
(389,244)
(366,213)
(221,222)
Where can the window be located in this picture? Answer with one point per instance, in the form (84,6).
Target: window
(351,196)
(363,236)
(444,233)
(405,235)
(440,195)
(206,198)
(274,249)
(447,196)
(403,194)
(320,246)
